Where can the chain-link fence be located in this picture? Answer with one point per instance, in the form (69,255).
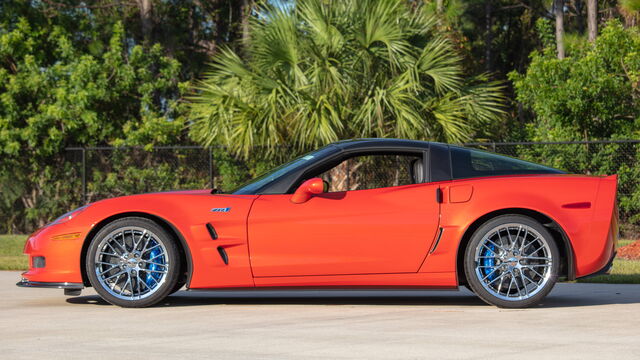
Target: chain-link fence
(103,172)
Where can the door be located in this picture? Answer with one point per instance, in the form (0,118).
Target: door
(376,217)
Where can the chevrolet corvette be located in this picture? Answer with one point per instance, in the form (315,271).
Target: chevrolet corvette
(366,213)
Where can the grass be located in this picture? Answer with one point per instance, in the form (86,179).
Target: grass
(11,256)
(623,272)
(622,243)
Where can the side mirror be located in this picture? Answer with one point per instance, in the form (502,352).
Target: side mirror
(308,188)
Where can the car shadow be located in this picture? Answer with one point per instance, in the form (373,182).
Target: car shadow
(575,295)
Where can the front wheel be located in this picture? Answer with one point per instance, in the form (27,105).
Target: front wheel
(512,261)
(133,262)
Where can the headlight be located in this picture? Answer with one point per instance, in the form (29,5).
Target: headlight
(68,216)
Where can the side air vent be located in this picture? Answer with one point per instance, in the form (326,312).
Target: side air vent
(212,231)
(435,245)
(223,255)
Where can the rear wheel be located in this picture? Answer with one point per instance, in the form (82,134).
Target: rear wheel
(512,261)
(133,262)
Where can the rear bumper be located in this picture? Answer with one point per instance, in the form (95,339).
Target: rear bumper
(606,270)
(50,285)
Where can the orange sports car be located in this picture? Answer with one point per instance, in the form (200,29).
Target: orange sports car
(369,213)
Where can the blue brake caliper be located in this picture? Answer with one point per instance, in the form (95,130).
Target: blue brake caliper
(151,276)
(488,260)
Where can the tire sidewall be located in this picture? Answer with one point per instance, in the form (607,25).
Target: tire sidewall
(163,236)
(469,261)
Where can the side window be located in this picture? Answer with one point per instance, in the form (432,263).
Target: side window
(469,163)
(375,171)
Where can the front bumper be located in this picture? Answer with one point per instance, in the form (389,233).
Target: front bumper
(61,253)
(50,285)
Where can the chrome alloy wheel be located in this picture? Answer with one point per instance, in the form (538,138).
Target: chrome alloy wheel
(513,262)
(131,263)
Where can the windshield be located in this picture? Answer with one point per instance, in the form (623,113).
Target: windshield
(256,185)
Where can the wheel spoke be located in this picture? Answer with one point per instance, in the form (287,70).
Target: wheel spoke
(112,276)
(517,237)
(501,282)
(537,249)
(491,250)
(489,274)
(109,269)
(515,281)
(510,282)
(154,271)
(130,284)
(524,284)
(105,263)
(151,248)
(154,279)
(498,278)
(494,244)
(510,239)
(155,257)
(113,285)
(528,278)
(534,270)
(109,254)
(536,258)
(144,232)
(146,243)
(524,239)
(537,265)
(123,247)
(153,263)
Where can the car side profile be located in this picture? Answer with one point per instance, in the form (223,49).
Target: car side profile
(366,213)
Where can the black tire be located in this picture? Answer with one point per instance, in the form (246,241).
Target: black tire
(177,287)
(517,271)
(168,277)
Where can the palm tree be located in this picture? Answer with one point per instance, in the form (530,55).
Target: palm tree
(630,10)
(333,69)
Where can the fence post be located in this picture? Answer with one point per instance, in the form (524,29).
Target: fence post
(84,176)
(493,144)
(211,184)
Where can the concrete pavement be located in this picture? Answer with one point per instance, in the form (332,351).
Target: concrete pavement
(577,321)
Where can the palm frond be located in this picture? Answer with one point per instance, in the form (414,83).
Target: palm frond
(333,69)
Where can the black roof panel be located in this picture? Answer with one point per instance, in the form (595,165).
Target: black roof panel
(380,143)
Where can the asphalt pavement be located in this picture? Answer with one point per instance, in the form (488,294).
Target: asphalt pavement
(576,321)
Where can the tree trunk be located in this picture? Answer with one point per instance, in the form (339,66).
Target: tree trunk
(592,19)
(488,40)
(245,14)
(440,6)
(558,6)
(146,19)
(578,6)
